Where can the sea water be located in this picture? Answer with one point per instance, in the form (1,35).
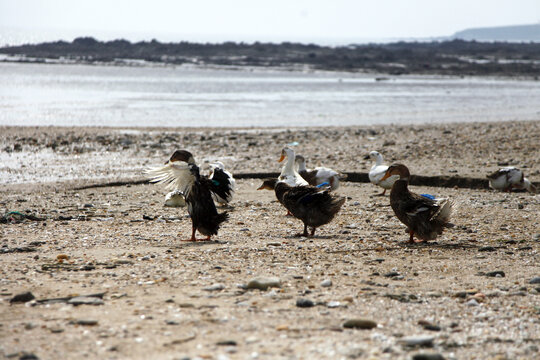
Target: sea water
(187,96)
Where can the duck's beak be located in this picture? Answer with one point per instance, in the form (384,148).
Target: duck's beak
(282,157)
(386,176)
(263,187)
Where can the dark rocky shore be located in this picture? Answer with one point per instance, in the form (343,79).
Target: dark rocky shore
(454,57)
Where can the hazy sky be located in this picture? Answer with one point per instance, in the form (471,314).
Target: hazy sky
(271,20)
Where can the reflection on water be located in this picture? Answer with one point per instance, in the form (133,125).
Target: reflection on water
(87,95)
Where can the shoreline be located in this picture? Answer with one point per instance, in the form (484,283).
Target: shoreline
(470,149)
(300,69)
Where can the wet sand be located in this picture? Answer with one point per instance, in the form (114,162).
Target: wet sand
(466,295)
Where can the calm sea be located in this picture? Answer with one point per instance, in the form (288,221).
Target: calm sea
(91,95)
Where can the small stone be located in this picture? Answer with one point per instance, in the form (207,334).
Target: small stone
(424,341)
(428,357)
(429,326)
(28,356)
(326,283)
(487,248)
(472,302)
(85,300)
(56,330)
(171,322)
(391,274)
(359,324)
(535,280)
(227,343)
(22,297)
(304,303)
(87,267)
(84,322)
(334,304)
(497,273)
(263,283)
(215,287)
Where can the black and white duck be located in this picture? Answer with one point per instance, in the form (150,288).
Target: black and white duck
(182,173)
(319,176)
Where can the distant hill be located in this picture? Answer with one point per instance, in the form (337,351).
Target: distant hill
(518,33)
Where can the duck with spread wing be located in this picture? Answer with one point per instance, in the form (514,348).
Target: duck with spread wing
(182,173)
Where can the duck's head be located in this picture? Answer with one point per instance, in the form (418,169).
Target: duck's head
(399,171)
(286,152)
(182,155)
(374,155)
(268,184)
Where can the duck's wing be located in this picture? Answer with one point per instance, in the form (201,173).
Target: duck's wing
(222,184)
(376,173)
(418,207)
(310,176)
(175,176)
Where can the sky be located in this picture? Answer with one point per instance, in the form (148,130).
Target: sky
(318,21)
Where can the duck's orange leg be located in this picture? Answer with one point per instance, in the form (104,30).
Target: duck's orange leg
(411,239)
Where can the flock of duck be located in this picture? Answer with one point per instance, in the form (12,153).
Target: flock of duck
(309,196)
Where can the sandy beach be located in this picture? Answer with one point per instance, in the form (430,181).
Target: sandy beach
(473,293)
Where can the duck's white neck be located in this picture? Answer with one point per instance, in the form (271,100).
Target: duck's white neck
(301,165)
(378,159)
(289,165)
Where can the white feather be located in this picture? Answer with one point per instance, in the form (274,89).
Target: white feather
(174,176)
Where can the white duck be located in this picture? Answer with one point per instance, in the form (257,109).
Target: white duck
(377,172)
(288,173)
(175,199)
(319,175)
(508,178)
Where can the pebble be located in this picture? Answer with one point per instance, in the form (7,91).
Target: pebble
(227,343)
(85,300)
(326,283)
(263,283)
(28,356)
(215,287)
(22,297)
(429,326)
(87,267)
(427,357)
(84,322)
(535,280)
(304,303)
(426,341)
(334,304)
(359,324)
(497,273)
(472,302)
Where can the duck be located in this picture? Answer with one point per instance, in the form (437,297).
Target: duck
(175,198)
(182,173)
(289,175)
(314,206)
(223,178)
(509,178)
(318,176)
(377,171)
(424,217)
